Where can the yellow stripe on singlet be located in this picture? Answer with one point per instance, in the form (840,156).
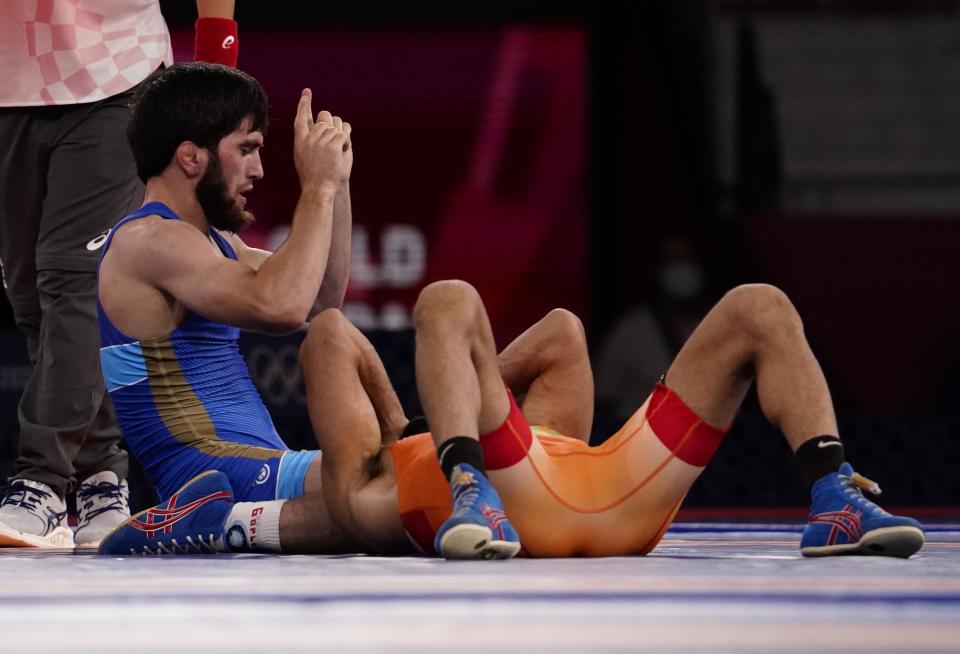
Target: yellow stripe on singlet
(181,410)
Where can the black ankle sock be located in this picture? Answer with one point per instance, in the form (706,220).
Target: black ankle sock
(460,449)
(818,457)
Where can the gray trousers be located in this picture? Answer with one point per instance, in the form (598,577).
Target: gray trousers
(66,176)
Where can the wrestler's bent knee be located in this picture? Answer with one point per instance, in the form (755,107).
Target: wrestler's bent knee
(328,328)
(761,310)
(451,299)
(566,324)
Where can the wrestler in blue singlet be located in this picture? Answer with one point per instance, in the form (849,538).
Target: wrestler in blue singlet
(186,403)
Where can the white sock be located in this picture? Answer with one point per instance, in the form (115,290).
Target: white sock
(254,526)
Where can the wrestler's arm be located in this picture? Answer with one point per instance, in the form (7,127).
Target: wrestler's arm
(337,272)
(352,406)
(177,259)
(249,256)
(276,296)
(335,277)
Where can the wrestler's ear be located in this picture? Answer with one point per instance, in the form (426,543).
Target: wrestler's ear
(191,159)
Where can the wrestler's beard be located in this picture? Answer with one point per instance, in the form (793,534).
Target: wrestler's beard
(222,211)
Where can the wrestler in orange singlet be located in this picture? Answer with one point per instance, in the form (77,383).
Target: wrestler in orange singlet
(564,497)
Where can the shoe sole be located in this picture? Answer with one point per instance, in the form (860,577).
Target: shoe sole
(469,542)
(58,539)
(900,542)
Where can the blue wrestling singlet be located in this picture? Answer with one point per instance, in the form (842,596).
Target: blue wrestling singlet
(186,403)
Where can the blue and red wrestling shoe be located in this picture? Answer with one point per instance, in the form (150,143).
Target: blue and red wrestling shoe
(477,528)
(190,522)
(843,521)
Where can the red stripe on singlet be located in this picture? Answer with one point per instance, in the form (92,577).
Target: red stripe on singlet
(501,448)
(418,527)
(673,420)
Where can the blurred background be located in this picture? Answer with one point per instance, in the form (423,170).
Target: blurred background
(631,161)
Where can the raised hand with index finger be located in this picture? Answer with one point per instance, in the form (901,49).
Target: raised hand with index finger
(319,146)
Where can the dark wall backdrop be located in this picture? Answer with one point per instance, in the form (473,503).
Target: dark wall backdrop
(546,152)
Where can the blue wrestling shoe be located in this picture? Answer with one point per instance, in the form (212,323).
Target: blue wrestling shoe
(190,522)
(843,521)
(477,528)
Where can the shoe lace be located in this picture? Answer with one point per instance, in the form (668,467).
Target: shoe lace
(110,496)
(209,544)
(464,495)
(20,494)
(32,499)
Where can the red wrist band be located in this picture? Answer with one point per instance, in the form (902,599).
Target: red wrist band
(216,41)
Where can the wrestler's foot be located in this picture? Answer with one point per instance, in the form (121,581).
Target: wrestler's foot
(477,528)
(190,522)
(103,502)
(843,521)
(32,515)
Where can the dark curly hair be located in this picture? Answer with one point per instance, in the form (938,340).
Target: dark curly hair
(191,101)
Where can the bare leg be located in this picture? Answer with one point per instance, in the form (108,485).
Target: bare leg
(461,381)
(348,389)
(306,526)
(458,375)
(354,412)
(463,396)
(754,333)
(550,365)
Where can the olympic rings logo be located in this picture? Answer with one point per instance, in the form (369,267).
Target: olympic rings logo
(276,373)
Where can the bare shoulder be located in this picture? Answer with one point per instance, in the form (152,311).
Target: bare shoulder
(131,273)
(142,233)
(153,244)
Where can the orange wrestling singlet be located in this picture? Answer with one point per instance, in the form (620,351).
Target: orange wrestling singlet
(564,497)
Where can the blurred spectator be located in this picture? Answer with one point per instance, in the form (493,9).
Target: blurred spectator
(642,343)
